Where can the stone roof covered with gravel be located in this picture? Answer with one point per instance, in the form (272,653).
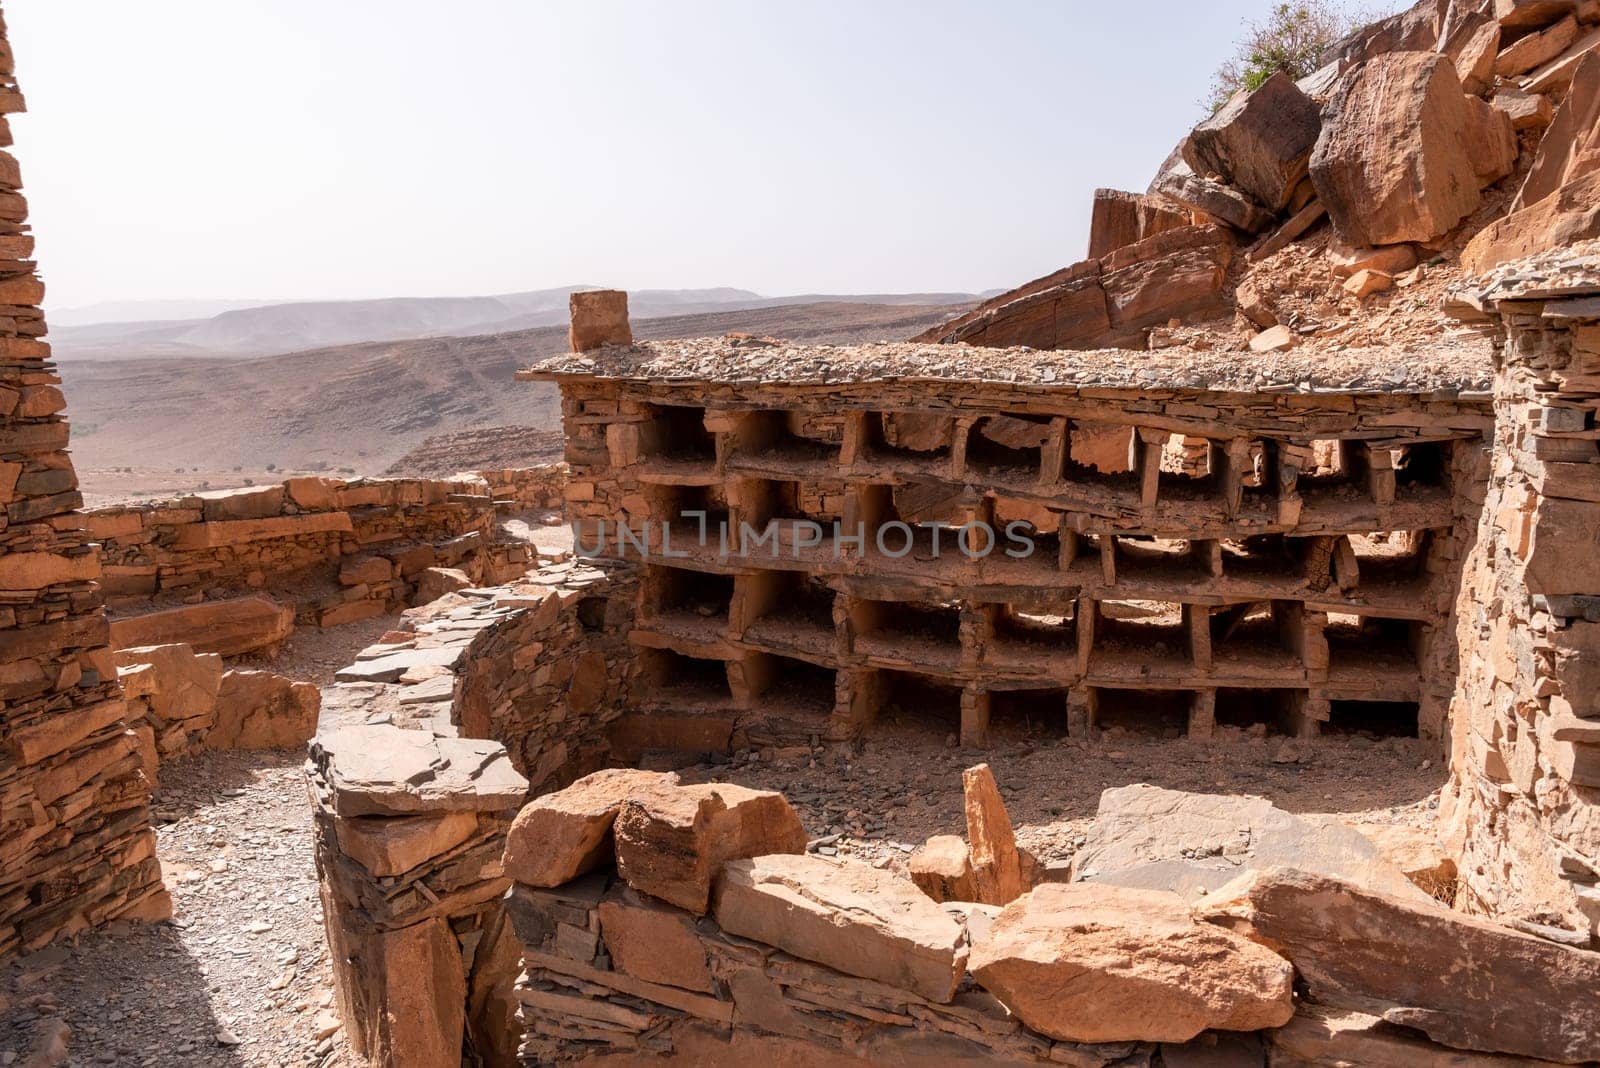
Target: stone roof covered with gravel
(1459,362)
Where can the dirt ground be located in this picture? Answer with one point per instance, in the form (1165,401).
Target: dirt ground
(903,785)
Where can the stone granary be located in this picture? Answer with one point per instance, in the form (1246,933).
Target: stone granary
(1162,544)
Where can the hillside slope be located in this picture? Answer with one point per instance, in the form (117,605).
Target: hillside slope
(296,326)
(364,406)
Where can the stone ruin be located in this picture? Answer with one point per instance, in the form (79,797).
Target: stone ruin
(1248,526)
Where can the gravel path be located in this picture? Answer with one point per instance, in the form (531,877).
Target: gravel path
(240,976)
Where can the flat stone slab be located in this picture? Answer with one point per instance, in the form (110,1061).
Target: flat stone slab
(851,917)
(1461,980)
(1144,836)
(390,667)
(378,769)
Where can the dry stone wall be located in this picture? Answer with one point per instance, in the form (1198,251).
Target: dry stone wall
(374,538)
(76,845)
(525,489)
(428,745)
(1524,801)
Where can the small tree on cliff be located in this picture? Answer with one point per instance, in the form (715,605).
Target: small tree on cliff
(1291,38)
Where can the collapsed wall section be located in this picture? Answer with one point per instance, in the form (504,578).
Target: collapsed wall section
(1523,806)
(76,845)
(828,541)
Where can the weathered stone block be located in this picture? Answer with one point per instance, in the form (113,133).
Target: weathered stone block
(848,916)
(671,843)
(1088,963)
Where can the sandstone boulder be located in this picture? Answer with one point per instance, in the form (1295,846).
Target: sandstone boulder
(227,627)
(1416,29)
(1527,111)
(671,843)
(1555,77)
(562,835)
(435,582)
(1530,14)
(1570,214)
(1087,963)
(1323,1035)
(1066,309)
(1260,141)
(1536,49)
(1144,836)
(1274,339)
(1392,162)
(1473,45)
(1492,141)
(942,868)
(1416,852)
(260,710)
(1570,148)
(1462,980)
(850,917)
(1119,219)
(1180,184)
(1363,284)
(1178,274)
(599,317)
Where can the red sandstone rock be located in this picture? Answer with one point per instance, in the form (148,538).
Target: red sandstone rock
(1492,141)
(1119,219)
(247,502)
(1556,76)
(996,866)
(1260,141)
(1570,148)
(365,569)
(1363,284)
(260,710)
(848,916)
(1221,202)
(599,317)
(654,942)
(1392,162)
(1416,29)
(1089,963)
(1473,45)
(1528,111)
(1570,214)
(1536,49)
(1462,980)
(436,582)
(942,869)
(671,843)
(388,846)
(562,835)
(227,627)
(1526,14)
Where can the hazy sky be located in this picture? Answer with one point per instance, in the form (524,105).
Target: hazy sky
(363,148)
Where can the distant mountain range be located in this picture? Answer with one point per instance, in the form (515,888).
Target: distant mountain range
(363,406)
(241,329)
